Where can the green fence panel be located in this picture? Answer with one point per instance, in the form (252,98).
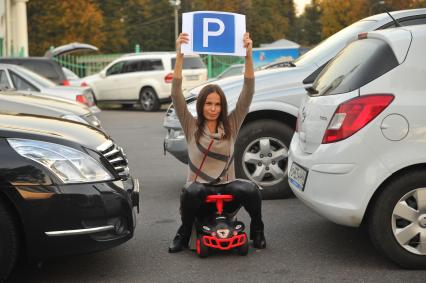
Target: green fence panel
(216,63)
(85,65)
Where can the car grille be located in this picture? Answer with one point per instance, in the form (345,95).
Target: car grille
(116,157)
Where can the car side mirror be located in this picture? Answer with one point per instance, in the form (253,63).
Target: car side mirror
(102,74)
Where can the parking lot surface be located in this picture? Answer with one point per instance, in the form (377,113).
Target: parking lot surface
(301,246)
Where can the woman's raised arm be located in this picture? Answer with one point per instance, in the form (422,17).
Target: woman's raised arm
(184,116)
(244,100)
(182,39)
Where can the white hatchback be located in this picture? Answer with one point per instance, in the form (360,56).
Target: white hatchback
(359,152)
(144,78)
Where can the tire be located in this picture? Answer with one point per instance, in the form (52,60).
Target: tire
(272,166)
(398,236)
(202,250)
(243,249)
(9,243)
(149,100)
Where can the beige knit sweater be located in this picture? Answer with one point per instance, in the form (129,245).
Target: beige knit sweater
(221,150)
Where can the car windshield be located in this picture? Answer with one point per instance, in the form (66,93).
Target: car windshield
(36,77)
(334,43)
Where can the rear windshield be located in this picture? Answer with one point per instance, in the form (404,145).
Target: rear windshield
(358,64)
(43,68)
(36,77)
(46,69)
(190,63)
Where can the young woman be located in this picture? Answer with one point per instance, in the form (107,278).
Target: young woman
(211,137)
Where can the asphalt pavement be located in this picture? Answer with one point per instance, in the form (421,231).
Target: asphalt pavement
(301,246)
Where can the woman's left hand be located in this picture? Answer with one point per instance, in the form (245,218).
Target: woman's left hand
(248,43)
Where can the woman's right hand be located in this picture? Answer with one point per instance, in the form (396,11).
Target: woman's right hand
(183,38)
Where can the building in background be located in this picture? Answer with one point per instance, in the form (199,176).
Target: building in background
(280,50)
(13,28)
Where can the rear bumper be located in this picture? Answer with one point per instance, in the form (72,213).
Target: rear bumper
(338,186)
(80,218)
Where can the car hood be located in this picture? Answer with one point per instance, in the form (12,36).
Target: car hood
(49,129)
(40,105)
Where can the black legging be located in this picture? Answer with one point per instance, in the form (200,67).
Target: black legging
(244,192)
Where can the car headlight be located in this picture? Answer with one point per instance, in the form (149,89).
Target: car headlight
(74,118)
(68,164)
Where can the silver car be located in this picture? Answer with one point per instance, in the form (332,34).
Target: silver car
(26,81)
(35,104)
(262,146)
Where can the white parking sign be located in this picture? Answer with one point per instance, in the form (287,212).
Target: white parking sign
(214,33)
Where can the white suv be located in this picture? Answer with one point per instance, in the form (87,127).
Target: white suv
(144,78)
(358,154)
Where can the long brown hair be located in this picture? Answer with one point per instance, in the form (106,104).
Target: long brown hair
(223,116)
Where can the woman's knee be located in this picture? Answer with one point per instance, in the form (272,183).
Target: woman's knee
(193,190)
(245,187)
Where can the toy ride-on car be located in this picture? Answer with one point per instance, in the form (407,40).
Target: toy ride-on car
(220,231)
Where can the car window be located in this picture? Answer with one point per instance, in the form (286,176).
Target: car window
(190,63)
(409,21)
(151,65)
(115,69)
(333,44)
(353,67)
(131,66)
(20,83)
(43,68)
(44,82)
(4,83)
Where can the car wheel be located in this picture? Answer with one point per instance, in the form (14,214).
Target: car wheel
(202,250)
(261,153)
(8,242)
(397,222)
(149,100)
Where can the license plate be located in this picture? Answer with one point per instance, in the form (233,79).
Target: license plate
(297,176)
(192,78)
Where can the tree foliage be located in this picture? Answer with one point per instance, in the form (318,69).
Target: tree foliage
(116,26)
(339,14)
(54,23)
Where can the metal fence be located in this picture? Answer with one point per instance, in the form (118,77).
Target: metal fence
(85,65)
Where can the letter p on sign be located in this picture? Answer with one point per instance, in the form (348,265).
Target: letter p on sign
(214,33)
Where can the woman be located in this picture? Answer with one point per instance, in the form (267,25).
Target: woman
(211,137)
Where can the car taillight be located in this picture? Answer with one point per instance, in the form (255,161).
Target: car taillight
(354,114)
(82,99)
(168,78)
(84,84)
(65,82)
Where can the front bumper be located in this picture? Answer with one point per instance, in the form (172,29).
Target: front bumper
(175,144)
(341,179)
(78,218)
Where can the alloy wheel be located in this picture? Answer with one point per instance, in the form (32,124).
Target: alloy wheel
(409,221)
(265,161)
(147,99)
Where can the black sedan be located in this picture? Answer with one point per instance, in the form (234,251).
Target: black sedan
(65,188)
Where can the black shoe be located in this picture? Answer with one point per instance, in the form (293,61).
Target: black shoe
(259,241)
(180,241)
